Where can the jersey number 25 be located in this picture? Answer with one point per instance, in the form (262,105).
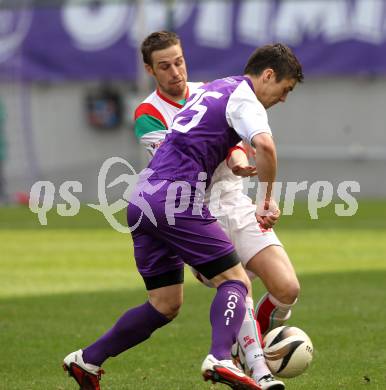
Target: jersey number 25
(193,105)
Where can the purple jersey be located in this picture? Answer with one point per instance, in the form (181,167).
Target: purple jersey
(215,118)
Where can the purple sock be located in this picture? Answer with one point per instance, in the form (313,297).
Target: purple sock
(135,326)
(226,316)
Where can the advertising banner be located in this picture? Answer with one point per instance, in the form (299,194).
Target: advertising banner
(100,40)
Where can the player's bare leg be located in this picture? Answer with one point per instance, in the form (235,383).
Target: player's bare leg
(276,271)
(167,300)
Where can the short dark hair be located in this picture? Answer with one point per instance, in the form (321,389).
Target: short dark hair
(278,57)
(158,40)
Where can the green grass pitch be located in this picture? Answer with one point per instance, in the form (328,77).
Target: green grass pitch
(63,285)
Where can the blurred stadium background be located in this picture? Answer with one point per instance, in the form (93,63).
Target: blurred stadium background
(71,75)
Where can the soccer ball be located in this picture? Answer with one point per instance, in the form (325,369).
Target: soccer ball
(288,351)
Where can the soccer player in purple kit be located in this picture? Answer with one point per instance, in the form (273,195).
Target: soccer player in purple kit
(259,249)
(173,226)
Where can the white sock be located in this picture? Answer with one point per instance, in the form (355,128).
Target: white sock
(249,339)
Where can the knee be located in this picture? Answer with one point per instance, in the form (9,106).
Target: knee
(288,293)
(248,284)
(173,310)
(235,273)
(244,280)
(168,307)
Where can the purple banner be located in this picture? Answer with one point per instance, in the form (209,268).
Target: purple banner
(101,42)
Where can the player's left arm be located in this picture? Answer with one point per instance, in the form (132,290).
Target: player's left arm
(247,116)
(268,212)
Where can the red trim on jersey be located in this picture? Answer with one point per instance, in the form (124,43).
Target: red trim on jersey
(175,104)
(149,109)
(231,150)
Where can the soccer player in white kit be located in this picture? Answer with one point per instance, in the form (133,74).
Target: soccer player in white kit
(260,250)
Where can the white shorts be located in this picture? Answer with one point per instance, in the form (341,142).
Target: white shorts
(236,215)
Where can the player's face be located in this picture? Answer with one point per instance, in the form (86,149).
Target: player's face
(169,70)
(274,91)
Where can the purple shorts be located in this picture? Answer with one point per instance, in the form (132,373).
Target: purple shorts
(168,231)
